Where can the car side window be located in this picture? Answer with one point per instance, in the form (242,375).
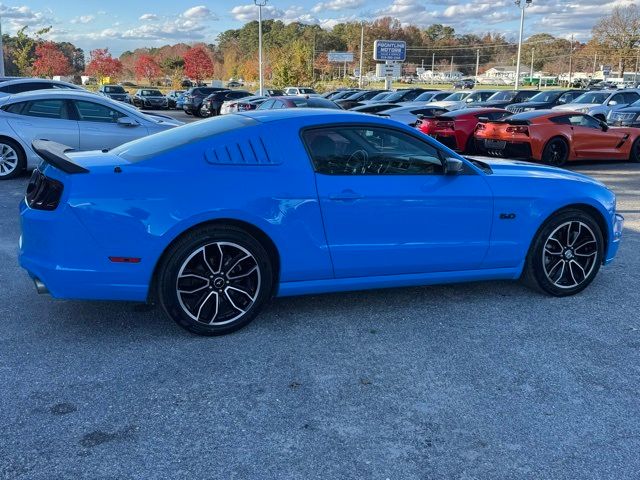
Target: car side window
(411,96)
(54,109)
(15,108)
(630,97)
(561,120)
(618,98)
(567,97)
(584,121)
(370,151)
(94,112)
(266,105)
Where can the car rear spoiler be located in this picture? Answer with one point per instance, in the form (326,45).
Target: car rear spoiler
(55,154)
(506,120)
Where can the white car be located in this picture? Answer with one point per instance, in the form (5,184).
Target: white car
(408,114)
(21,85)
(600,103)
(301,92)
(458,100)
(80,120)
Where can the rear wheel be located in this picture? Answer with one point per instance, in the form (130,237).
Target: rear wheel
(556,152)
(12,159)
(635,151)
(566,254)
(215,280)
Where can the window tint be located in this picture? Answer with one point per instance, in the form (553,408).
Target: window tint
(94,112)
(266,105)
(412,95)
(562,120)
(233,95)
(630,97)
(370,151)
(584,121)
(568,97)
(46,109)
(14,107)
(618,98)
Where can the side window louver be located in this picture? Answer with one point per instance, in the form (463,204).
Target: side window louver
(250,151)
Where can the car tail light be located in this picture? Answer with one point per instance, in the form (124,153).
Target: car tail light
(445,125)
(427,126)
(43,193)
(518,129)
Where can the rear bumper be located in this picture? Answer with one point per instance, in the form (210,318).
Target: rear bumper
(62,258)
(511,149)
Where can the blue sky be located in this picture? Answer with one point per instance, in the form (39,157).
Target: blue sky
(123,25)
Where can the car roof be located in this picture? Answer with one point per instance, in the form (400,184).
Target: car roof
(38,80)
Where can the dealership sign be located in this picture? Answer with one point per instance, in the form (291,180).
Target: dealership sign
(390,50)
(340,57)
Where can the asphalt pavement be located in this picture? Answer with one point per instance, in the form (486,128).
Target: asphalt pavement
(474,381)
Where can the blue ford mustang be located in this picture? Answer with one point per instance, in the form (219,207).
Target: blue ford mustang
(213,219)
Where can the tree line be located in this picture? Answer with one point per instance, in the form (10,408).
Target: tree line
(297,53)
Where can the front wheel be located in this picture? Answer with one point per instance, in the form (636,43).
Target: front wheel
(215,280)
(566,254)
(556,152)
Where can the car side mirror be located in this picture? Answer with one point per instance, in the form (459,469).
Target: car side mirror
(127,122)
(604,126)
(453,166)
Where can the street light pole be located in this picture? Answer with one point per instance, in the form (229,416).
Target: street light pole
(522,5)
(260,4)
(2,52)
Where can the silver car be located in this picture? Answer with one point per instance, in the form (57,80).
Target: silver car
(81,120)
(600,103)
(408,114)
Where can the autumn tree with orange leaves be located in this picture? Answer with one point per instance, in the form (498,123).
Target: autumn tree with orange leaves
(50,61)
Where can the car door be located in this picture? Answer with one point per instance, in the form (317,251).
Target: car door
(43,119)
(591,141)
(99,127)
(388,207)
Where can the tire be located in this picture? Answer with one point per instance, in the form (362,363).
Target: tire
(556,152)
(187,112)
(201,114)
(634,156)
(555,264)
(215,280)
(13,161)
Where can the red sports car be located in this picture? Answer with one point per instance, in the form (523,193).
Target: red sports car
(455,129)
(555,137)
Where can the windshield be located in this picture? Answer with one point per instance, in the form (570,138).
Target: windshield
(425,97)
(307,90)
(592,97)
(396,95)
(505,95)
(456,97)
(545,97)
(150,93)
(381,95)
(117,89)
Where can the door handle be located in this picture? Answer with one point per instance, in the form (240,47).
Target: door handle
(345,196)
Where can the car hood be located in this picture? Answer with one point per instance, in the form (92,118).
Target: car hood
(518,168)
(530,104)
(573,106)
(164,120)
(446,104)
(488,104)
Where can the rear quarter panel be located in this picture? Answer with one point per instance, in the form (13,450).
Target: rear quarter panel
(159,200)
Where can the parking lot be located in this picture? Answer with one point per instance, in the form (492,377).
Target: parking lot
(472,381)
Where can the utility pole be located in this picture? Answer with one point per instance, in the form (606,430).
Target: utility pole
(361,54)
(635,72)
(533,51)
(1,51)
(433,66)
(595,62)
(570,62)
(451,69)
(477,67)
(260,4)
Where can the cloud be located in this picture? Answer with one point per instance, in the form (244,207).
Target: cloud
(199,12)
(83,19)
(337,5)
(22,16)
(148,16)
